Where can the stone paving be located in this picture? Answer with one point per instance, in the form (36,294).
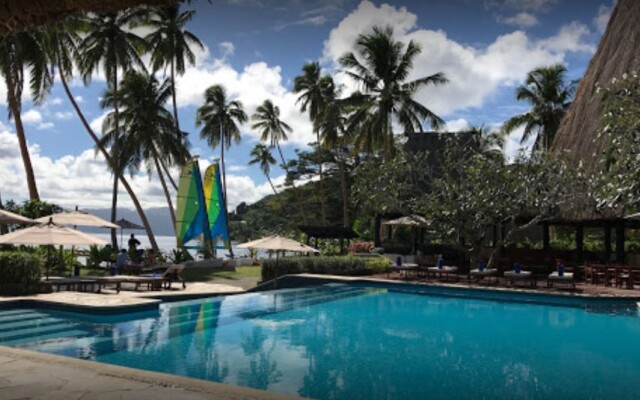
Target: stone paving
(28,375)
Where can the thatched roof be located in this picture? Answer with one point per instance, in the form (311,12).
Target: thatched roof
(17,15)
(617,53)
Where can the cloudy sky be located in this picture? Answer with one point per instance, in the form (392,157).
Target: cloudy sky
(256,47)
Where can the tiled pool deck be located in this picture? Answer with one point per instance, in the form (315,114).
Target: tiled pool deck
(29,375)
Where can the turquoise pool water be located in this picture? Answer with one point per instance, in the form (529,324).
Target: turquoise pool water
(349,342)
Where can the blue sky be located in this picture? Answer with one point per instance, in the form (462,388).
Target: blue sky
(256,47)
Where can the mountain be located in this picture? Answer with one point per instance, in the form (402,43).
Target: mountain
(158,218)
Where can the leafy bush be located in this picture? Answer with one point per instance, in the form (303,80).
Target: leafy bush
(19,272)
(360,247)
(354,266)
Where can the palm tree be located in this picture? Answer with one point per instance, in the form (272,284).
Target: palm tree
(267,120)
(171,46)
(262,156)
(62,39)
(148,130)
(311,85)
(381,66)
(110,44)
(549,95)
(219,118)
(20,51)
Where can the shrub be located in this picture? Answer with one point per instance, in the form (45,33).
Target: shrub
(19,272)
(354,266)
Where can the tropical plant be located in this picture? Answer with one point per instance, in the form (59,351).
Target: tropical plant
(549,95)
(381,65)
(311,86)
(171,44)
(218,118)
(261,155)
(21,52)
(62,40)
(110,44)
(148,130)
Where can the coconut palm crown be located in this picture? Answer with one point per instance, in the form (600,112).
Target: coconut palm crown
(380,66)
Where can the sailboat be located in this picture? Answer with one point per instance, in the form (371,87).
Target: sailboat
(201,215)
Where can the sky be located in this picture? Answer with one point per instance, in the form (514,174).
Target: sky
(255,48)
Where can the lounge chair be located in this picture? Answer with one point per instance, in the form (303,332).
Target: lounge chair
(566,279)
(520,276)
(479,275)
(171,274)
(445,270)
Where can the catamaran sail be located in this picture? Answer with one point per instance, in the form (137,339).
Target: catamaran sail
(191,214)
(216,208)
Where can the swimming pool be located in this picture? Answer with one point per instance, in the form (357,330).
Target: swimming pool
(357,342)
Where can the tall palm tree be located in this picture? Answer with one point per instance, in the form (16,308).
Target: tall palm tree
(549,95)
(381,65)
(171,44)
(273,129)
(261,155)
(110,44)
(62,39)
(148,130)
(311,85)
(218,118)
(19,52)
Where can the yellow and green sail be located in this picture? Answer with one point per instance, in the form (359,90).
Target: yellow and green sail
(191,215)
(216,207)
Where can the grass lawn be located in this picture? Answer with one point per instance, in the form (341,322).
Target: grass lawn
(245,277)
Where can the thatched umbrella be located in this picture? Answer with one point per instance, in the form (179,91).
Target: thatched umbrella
(616,54)
(18,15)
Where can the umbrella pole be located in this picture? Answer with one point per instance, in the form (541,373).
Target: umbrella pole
(275,283)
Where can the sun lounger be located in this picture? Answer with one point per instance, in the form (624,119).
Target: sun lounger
(152,283)
(103,282)
(405,268)
(446,271)
(565,279)
(171,274)
(523,276)
(479,275)
(73,284)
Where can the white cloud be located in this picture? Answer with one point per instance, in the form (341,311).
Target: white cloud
(236,168)
(32,117)
(457,125)
(78,99)
(522,20)
(56,101)
(532,5)
(602,19)
(45,126)
(84,180)
(96,123)
(63,115)
(314,21)
(227,49)
(475,73)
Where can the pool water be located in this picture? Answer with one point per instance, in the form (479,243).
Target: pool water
(350,342)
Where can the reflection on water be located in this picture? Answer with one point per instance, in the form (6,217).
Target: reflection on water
(357,343)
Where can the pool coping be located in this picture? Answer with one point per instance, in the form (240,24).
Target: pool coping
(452,290)
(169,381)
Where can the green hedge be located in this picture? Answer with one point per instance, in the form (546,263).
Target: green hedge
(354,266)
(19,272)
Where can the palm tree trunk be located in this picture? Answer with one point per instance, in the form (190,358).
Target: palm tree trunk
(224,183)
(295,190)
(345,194)
(271,183)
(105,154)
(166,191)
(323,212)
(22,141)
(116,165)
(168,175)
(173,95)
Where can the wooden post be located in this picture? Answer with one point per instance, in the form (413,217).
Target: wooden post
(546,245)
(607,241)
(620,242)
(580,242)
(376,231)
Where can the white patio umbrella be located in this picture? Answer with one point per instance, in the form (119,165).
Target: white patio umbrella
(49,234)
(7,217)
(278,243)
(77,218)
